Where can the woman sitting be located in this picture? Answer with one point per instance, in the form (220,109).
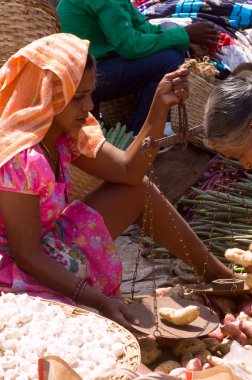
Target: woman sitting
(228,116)
(49,246)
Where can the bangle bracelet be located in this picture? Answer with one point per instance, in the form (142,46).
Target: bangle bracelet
(79,289)
(104,301)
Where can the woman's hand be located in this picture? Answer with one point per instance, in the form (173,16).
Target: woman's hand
(117,310)
(173,88)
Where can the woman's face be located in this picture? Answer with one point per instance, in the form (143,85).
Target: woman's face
(243,153)
(72,118)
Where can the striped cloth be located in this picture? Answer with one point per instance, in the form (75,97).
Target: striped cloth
(226,13)
(35,84)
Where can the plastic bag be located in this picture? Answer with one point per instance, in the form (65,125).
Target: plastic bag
(239,360)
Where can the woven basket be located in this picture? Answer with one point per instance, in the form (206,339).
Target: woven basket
(117,110)
(200,89)
(132,357)
(23,21)
(81,183)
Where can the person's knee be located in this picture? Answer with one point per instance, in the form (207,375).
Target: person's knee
(172,59)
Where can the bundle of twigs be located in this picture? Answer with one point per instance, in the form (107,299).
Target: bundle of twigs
(219,210)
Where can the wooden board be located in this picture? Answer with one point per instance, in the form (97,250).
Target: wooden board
(208,290)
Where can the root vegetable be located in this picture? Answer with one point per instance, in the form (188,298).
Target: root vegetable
(195,297)
(239,256)
(229,318)
(225,346)
(215,360)
(147,344)
(231,330)
(243,317)
(180,373)
(217,334)
(206,366)
(176,292)
(162,291)
(212,344)
(186,358)
(148,357)
(226,305)
(246,328)
(167,366)
(173,292)
(194,365)
(180,317)
(202,355)
(149,351)
(190,345)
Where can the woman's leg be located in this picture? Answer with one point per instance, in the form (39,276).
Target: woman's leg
(119,77)
(121,205)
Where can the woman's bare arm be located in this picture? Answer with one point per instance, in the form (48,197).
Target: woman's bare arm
(21,216)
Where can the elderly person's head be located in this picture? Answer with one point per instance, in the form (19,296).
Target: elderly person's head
(228,119)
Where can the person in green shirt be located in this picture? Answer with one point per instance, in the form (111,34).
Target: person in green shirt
(132,54)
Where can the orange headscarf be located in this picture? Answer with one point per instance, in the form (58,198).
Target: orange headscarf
(36,83)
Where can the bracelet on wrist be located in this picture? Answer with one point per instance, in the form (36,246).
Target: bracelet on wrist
(78,290)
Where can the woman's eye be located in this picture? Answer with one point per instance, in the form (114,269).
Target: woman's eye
(78,97)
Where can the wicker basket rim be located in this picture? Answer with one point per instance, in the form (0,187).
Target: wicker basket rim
(132,357)
(35,3)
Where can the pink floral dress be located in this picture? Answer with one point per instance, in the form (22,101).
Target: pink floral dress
(75,235)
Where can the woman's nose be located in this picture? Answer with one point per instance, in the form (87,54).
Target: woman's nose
(87,104)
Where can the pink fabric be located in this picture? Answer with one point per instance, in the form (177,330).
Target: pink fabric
(69,233)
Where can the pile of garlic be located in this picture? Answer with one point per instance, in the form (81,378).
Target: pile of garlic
(30,328)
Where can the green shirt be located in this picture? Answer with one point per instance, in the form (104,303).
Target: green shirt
(116,25)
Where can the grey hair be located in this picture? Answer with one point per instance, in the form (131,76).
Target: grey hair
(228,113)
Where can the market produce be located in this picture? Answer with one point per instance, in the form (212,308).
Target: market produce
(117,136)
(30,328)
(244,258)
(225,345)
(215,360)
(173,292)
(191,345)
(194,365)
(180,373)
(167,366)
(212,344)
(202,355)
(180,317)
(233,331)
(239,256)
(149,350)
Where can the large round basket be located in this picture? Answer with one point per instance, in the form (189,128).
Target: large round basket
(23,21)
(81,183)
(200,89)
(117,110)
(132,357)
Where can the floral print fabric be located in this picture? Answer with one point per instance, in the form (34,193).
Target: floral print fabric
(75,235)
